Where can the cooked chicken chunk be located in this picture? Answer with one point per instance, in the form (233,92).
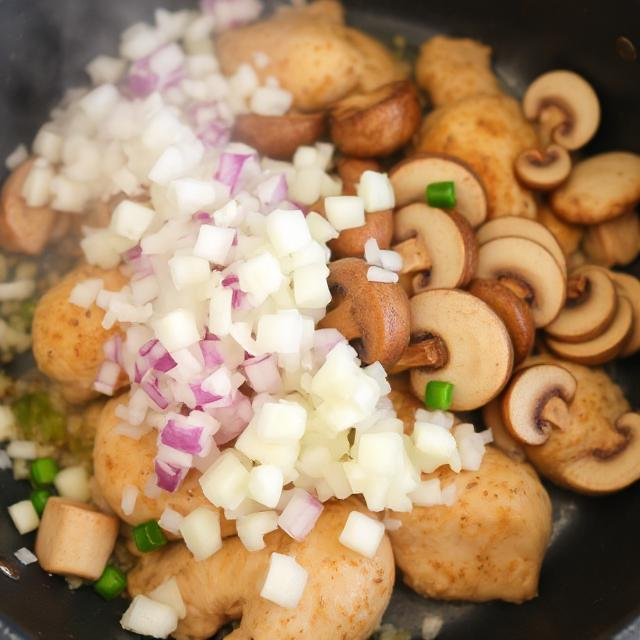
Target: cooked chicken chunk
(345,596)
(488,545)
(67,339)
(451,69)
(314,37)
(488,132)
(119,461)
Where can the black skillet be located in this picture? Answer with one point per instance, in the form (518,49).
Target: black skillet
(590,586)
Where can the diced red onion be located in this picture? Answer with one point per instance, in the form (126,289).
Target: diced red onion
(203,397)
(151,488)
(324,340)
(183,437)
(300,515)
(151,388)
(107,378)
(273,190)
(171,520)
(202,216)
(112,349)
(152,355)
(263,374)
(231,13)
(142,81)
(210,353)
(233,419)
(170,477)
(230,167)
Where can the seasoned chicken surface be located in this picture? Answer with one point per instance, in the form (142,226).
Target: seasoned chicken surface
(488,545)
(345,596)
(119,461)
(67,339)
(451,69)
(312,54)
(488,132)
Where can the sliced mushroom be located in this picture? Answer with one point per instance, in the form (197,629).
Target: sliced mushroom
(522,228)
(23,229)
(565,105)
(598,451)
(373,316)
(502,439)
(630,286)
(378,225)
(480,355)
(613,242)
(377,123)
(529,270)
(591,304)
(603,347)
(536,401)
(449,242)
(411,177)
(568,236)
(543,170)
(599,188)
(512,310)
(279,136)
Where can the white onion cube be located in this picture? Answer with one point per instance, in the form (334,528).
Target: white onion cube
(320,228)
(436,445)
(281,422)
(225,483)
(200,531)
(362,534)
(310,286)
(280,333)
(169,593)
(177,329)
(84,294)
(73,482)
(285,581)
(380,453)
(287,230)
(427,494)
(188,271)
(260,276)
(214,243)
(130,220)
(253,527)
(265,484)
(24,516)
(149,618)
(345,212)
(220,311)
(376,191)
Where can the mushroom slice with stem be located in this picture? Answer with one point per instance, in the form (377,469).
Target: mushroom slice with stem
(529,270)
(373,316)
(536,401)
(629,286)
(377,123)
(613,242)
(543,170)
(446,238)
(512,310)
(603,347)
(566,107)
(591,304)
(411,177)
(279,136)
(480,355)
(599,188)
(522,228)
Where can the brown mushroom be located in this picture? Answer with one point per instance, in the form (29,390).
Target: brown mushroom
(512,310)
(598,451)
(543,170)
(568,236)
(599,188)
(605,346)
(23,229)
(377,123)
(440,246)
(373,316)
(479,352)
(502,439)
(566,107)
(613,242)
(529,270)
(630,287)
(279,136)
(378,224)
(591,304)
(411,177)
(522,228)
(536,401)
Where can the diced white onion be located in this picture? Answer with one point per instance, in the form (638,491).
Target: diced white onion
(345,212)
(372,252)
(24,516)
(270,101)
(320,228)
(265,484)
(19,155)
(149,618)
(377,274)
(225,484)
(23,450)
(19,290)
(84,294)
(177,329)
(428,493)
(362,534)
(391,260)
(73,482)
(253,527)
(169,593)
(285,581)
(25,556)
(171,520)
(214,243)
(201,532)
(281,422)
(129,498)
(376,191)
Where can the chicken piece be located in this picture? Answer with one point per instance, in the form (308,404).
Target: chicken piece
(345,596)
(23,229)
(488,132)
(67,339)
(119,460)
(488,545)
(451,69)
(313,37)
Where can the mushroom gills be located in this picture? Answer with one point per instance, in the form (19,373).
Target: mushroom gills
(543,170)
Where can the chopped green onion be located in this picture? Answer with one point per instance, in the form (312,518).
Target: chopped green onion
(148,536)
(441,195)
(39,499)
(438,395)
(43,471)
(111,583)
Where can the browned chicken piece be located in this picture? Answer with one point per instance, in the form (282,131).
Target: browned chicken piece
(23,229)
(67,339)
(119,461)
(451,69)
(345,596)
(489,545)
(313,37)
(488,132)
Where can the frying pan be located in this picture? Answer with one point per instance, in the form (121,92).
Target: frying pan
(590,584)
